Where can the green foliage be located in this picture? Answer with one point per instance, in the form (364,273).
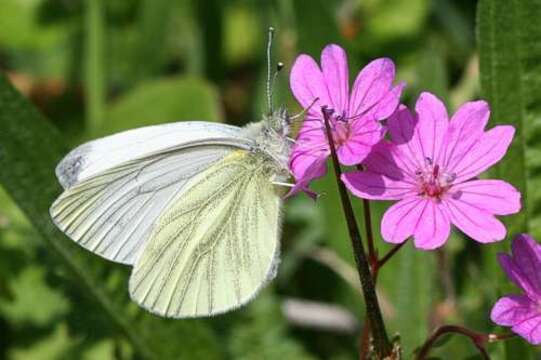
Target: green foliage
(94,64)
(27,289)
(20,30)
(384,24)
(509,59)
(166,100)
(55,346)
(263,334)
(98,67)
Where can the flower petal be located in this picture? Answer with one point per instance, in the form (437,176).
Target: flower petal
(373,94)
(495,196)
(306,152)
(334,65)
(387,159)
(433,228)
(517,275)
(519,312)
(511,309)
(527,257)
(364,134)
(402,128)
(431,126)
(351,154)
(464,130)
(401,220)
(530,329)
(307,83)
(475,222)
(369,185)
(388,103)
(313,168)
(490,149)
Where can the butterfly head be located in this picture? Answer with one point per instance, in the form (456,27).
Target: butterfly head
(278,122)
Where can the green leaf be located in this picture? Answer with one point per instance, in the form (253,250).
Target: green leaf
(28,289)
(154,21)
(510,56)
(240,22)
(29,151)
(389,19)
(21,29)
(166,100)
(103,350)
(510,86)
(262,334)
(55,346)
(408,278)
(316,24)
(94,64)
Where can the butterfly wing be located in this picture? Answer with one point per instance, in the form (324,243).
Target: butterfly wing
(116,187)
(216,244)
(95,157)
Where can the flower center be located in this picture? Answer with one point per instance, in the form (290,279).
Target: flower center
(340,130)
(433,181)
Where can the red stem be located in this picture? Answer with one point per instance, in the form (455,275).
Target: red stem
(478,339)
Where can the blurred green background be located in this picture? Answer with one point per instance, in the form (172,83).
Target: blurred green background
(94,67)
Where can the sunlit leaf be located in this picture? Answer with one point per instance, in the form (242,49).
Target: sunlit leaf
(54,346)
(389,19)
(28,289)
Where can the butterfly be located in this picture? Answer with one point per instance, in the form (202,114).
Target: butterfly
(192,206)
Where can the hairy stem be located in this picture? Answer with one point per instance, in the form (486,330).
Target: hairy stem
(382,346)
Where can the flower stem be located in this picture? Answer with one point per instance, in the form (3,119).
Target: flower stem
(390,254)
(478,339)
(372,255)
(382,346)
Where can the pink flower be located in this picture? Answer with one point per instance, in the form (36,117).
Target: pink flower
(431,165)
(354,121)
(522,312)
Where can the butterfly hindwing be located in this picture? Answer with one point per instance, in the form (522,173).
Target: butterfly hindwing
(215,245)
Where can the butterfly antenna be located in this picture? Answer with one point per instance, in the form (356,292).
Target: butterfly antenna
(269,70)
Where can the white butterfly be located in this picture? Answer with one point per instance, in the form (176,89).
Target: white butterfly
(192,206)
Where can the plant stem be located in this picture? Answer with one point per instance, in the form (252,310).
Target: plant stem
(382,346)
(390,254)
(478,339)
(373,262)
(372,255)
(364,342)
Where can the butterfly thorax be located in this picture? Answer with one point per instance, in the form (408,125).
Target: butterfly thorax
(270,138)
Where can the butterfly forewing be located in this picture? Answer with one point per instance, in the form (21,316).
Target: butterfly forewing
(97,156)
(112,213)
(216,243)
